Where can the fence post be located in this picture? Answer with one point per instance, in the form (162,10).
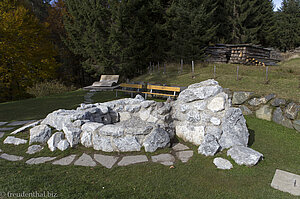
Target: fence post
(149,67)
(181,65)
(267,70)
(153,67)
(237,73)
(214,71)
(193,69)
(164,68)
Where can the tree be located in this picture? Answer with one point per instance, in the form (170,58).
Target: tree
(26,55)
(288,25)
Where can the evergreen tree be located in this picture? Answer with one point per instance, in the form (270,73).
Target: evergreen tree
(288,25)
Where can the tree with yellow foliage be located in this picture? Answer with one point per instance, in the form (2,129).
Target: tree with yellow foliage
(26,53)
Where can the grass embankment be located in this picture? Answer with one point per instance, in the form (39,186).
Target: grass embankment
(284,79)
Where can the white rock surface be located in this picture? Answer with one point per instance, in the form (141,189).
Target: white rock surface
(210,146)
(72,133)
(164,159)
(223,164)
(244,155)
(63,145)
(54,140)
(158,138)
(65,161)
(180,147)
(13,140)
(40,160)
(40,133)
(184,156)
(23,128)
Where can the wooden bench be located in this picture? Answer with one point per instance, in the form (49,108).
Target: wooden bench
(172,91)
(129,88)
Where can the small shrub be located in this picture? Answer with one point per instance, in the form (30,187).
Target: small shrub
(47,88)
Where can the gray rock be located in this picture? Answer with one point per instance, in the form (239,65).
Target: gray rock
(147,103)
(19,123)
(210,146)
(165,159)
(180,147)
(296,124)
(127,160)
(223,164)
(264,113)
(34,149)
(127,144)
(111,130)
(85,160)
(40,133)
(65,161)
(286,182)
(277,102)
(13,140)
(158,138)
(101,143)
(63,145)
(213,130)
(217,104)
(11,157)
(279,118)
(1,134)
(125,116)
(228,92)
(215,121)
(240,97)
(244,155)
(136,126)
(3,123)
(139,97)
(86,139)
(291,111)
(234,128)
(184,156)
(105,160)
(245,110)
(133,108)
(269,97)
(40,160)
(54,140)
(6,128)
(166,108)
(72,134)
(23,128)
(256,101)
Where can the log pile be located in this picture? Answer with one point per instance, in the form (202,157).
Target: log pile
(218,54)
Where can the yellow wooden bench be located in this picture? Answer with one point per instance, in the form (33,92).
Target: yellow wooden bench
(152,88)
(129,88)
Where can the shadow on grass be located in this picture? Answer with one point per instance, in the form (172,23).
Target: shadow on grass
(251,137)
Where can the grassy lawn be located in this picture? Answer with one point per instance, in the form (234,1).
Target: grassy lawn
(284,79)
(198,178)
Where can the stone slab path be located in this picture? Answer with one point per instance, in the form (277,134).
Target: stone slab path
(6,128)
(11,157)
(105,160)
(13,140)
(19,123)
(180,147)
(1,134)
(26,127)
(85,160)
(65,161)
(127,160)
(3,123)
(39,160)
(286,182)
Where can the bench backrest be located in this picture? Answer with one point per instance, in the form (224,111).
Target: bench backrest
(163,88)
(138,86)
(111,78)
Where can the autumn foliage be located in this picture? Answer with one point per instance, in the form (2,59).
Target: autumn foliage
(26,53)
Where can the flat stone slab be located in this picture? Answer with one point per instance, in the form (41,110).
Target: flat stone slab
(127,160)
(13,140)
(6,128)
(85,160)
(222,163)
(105,160)
(65,161)
(165,159)
(19,123)
(3,123)
(286,182)
(25,127)
(39,160)
(11,157)
(1,151)
(34,149)
(184,156)
(180,147)
(1,134)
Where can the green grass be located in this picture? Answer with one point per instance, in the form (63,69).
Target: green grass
(198,178)
(284,79)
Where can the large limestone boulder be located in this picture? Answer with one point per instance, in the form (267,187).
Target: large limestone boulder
(158,138)
(54,140)
(208,120)
(40,133)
